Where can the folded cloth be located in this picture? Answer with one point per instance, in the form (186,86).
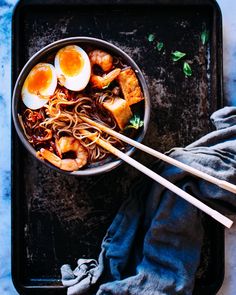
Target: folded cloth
(153,245)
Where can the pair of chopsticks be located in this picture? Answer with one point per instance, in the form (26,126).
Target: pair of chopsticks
(194,201)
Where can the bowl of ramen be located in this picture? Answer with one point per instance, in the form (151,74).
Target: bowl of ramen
(68,81)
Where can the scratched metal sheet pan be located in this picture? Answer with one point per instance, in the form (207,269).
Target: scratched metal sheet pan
(58,218)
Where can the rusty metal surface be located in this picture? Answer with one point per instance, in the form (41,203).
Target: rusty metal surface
(59,218)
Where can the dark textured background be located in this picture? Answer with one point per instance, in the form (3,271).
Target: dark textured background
(62,218)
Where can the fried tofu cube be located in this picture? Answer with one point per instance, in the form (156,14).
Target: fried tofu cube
(130,86)
(120,110)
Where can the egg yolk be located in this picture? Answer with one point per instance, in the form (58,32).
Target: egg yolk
(71,61)
(39,79)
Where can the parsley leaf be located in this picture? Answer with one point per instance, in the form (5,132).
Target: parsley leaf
(151,37)
(205,36)
(177,55)
(187,69)
(135,122)
(159,46)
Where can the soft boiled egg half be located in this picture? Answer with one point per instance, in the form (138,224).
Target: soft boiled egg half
(39,85)
(73,68)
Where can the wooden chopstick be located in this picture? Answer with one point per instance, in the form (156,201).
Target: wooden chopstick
(200,205)
(221,183)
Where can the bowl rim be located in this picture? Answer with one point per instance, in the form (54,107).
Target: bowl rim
(56,45)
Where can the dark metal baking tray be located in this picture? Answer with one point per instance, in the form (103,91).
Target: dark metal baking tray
(57,218)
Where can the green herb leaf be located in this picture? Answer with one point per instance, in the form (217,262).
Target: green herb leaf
(205,37)
(187,69)
(135,122)
(177,55)
(151,37)
(159,46)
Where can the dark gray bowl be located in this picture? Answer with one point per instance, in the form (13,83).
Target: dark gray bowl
(109,163)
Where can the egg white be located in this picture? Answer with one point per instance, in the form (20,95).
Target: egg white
(77,82)
(36,101)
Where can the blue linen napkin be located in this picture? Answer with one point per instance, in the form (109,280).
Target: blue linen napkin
(153,245)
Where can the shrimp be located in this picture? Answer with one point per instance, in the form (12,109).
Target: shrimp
(102,82)
(66,144)
(105,61)
(102,59)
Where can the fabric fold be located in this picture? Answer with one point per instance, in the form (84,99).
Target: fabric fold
(153,245)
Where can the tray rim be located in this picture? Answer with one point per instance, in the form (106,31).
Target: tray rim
(25,289)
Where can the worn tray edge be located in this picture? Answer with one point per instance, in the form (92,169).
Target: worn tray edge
(21,288)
